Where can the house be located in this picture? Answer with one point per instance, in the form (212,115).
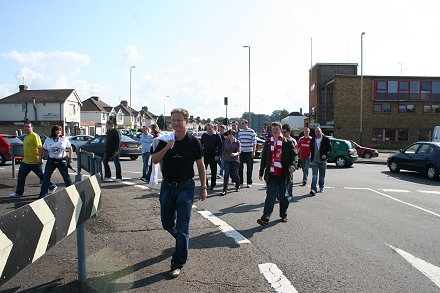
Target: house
(146,117)
(295,120)
(94,115)
(126,117)
(44,108)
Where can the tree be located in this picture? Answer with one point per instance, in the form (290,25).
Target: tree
(277,115)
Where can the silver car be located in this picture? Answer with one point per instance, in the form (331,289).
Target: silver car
(79,140)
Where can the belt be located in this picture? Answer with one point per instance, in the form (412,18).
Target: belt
(175,184)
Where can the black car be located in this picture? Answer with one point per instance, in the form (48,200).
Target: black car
(129,147)
(422,157)
(42,137)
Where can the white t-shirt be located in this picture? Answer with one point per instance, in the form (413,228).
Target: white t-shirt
(57,149)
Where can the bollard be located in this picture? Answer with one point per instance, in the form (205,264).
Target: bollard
(13,167)
(78,176)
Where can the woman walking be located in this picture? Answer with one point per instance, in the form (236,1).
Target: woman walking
(231,154)
(58,158)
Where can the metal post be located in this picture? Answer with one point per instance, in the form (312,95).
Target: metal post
(362,88)
(249,47)
(81,250)
(13,166)
(78,177)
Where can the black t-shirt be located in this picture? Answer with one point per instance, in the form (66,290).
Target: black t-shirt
(178,162)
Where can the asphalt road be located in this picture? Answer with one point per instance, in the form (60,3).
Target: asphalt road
(370,231)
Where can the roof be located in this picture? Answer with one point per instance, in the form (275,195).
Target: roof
(148,114)
(92,104)
(295,114)
(46,96)
(126,110)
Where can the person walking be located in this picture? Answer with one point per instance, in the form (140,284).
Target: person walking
(224,137)
(286,133)
(146,140)
(320,147)
(247,155)
(303,147)
(231,156)
(278,162)
(155,131)
(112,152)
(32,160)
(59,152)
(178,186)
(212,148)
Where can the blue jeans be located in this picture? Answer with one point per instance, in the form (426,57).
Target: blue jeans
(24,170)
(289,191)
(175,213)
(107,172)
(221,162)
(320,168)
(48,170)
(246,158)
(145,159)
(276,187)
(231,169)
(305,165)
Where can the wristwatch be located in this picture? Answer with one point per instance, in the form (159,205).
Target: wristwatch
(203,187)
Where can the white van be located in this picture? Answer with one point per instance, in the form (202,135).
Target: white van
(436,134)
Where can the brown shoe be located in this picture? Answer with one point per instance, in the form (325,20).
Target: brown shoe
(175,272)
(284,220)
(263,222)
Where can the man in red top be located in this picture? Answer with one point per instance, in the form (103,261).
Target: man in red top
(304,149)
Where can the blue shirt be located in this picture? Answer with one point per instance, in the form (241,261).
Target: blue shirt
(146,141)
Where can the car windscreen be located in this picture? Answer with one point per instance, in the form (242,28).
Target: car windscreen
(12,140)
(126,138)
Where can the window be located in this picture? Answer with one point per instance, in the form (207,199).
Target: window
(377,134)
(406,90)
(392,90)
(407,108)
(382,108)
(414,90)
(72,109)
(435,91)
(425,91)
(424,149)
(403,90)
(431,109)
(103,116)
(390,134)
(402,134)
(412,149)
(424,134)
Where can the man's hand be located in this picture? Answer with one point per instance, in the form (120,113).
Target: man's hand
(40,161)
(292,169)
(170,144)
(323,157)
(260,177)
(203,194)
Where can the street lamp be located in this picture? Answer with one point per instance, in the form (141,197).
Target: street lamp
(249,47)
(131,68)
(164,120)
(362,85)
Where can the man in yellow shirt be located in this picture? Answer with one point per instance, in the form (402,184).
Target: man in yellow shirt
(32,149)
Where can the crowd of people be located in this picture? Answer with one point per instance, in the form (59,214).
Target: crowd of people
(231,150)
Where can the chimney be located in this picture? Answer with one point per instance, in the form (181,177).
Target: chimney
(124,103)
(22,87)
(96,98)
(145,108)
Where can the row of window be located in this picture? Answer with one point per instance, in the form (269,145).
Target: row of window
(407,90)
(405,108)
(399,134)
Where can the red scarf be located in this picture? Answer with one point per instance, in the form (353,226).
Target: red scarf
(276,168)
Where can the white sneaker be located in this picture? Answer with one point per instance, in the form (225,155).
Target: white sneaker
(52,191)
(14,195)
(118,180)
(107,179)
(249,185)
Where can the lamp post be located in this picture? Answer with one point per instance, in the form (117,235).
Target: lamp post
(131,68)
(164,120)
(249,47)
(362,86)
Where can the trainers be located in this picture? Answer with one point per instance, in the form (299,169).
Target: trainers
(107,179)
(144,179)
(284,220)
(312,193)
(52,191)
(249,185)
(175,272)
(263,222)
(321,190)
(118,180)
(223,192)
(304,183)
(14,194)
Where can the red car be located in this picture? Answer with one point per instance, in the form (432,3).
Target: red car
(5,148)
(364,152)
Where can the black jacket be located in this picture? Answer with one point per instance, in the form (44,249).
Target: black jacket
(113,141)
(324,150)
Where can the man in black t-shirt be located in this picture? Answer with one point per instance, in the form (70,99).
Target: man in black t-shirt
(177,188)
(113,141)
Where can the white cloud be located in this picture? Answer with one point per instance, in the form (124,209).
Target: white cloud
(133,54)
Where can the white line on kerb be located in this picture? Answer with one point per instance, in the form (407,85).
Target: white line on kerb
(429,191)
(393,198)
(396,190)
(429,270)
(224,227)
(276,278)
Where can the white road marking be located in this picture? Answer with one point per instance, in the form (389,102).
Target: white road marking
(429,191)
(135,185)
(429,270)
(395,190)
(224,227)
(5,250)
(276,278)
(393,198)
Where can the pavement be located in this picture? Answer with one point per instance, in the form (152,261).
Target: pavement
(127,249)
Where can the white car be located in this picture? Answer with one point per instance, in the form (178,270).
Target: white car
(79,140)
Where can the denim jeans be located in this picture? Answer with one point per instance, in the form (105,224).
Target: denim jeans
(221,163)
(24,170)
(246,158)
(175,212)
(231,169)
(48,170)
(107,172)
(305,165)
(145,159)
(289,191)
(318,167)
(276,187)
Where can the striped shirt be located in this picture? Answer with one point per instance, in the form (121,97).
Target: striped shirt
(247,140)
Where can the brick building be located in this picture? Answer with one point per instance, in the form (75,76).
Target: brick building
(396,110)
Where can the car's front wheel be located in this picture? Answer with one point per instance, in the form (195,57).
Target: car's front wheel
(2,160)
(368,155)
(133,157)
(341,162)
(393,167)
(431,172)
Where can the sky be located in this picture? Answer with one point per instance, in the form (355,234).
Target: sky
(190,54)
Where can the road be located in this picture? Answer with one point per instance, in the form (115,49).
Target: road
(370,231)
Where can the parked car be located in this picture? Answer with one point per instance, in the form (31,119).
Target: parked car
(129,147)
(343,153)
(422,157)
(79,140)
(259,147)
(5,148)
(365,152)
(199,134)
(42,137)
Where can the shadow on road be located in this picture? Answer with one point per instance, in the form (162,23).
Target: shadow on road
(413,177)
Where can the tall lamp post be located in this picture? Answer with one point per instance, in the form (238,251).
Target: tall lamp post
(362,86)
(249,47)
(131,68)
(164,120)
